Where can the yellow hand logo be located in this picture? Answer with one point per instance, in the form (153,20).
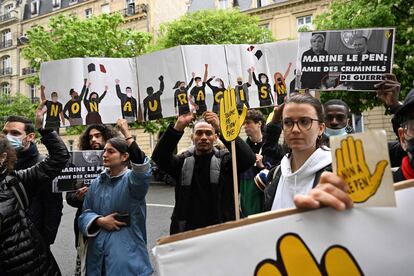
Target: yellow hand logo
(295,259)
(351,165)
(230,122)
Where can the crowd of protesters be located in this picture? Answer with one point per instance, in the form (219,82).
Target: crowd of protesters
(109,226)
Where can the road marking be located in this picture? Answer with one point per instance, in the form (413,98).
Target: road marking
(152,205)
(160,205)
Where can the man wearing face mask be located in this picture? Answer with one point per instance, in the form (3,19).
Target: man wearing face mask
(197,95)
(74,107)
(152,103)
(45,209)
(336,119)
(92,106)
(181,97)
(242,91)
(54,110)
(128,103)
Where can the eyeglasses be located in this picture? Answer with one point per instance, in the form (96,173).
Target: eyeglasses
(304,123)
(408,127)
(338,117)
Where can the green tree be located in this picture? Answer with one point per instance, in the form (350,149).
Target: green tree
(16,105)
(348,14)
(213,27)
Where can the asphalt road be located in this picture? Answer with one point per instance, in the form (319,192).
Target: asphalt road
(160,200)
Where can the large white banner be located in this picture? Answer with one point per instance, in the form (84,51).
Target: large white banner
(369,241)
(168,83)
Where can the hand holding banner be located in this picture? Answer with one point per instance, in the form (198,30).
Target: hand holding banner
(230,122)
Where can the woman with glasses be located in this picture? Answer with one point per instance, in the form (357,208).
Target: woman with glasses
(299,170)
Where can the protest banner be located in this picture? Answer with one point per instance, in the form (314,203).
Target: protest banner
(345,59)
(230,125)
(148,87)
(359,241)
(83,167)
(362,160)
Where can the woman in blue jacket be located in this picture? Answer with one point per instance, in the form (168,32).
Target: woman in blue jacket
(114,211)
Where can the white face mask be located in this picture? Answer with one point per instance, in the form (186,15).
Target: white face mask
(129,94)
(263,80)
(15,142)
(335,132)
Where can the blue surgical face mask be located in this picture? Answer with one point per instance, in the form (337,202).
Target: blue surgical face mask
(15,142)
(335,132)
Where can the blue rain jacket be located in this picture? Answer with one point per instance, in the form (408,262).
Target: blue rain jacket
(122,252)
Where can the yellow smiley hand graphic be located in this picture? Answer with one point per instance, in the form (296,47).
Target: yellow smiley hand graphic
(351,165)
(230,122)
(295,259)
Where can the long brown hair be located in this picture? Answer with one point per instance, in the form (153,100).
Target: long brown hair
(6,147)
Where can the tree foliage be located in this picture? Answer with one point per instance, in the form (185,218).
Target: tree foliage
(347,14)
(213,27)
(70,36)
(16,105)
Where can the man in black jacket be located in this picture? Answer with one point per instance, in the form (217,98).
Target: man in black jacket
(22,249)
(45,209)
(204,190)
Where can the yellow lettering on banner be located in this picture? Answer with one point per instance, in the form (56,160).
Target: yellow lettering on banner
(242,98)
(75,108)
(281,89)
(54,108)
(182,98)
(218,96)
(263,92)
(153,107)
(127,107)
(93,106)
(200,96)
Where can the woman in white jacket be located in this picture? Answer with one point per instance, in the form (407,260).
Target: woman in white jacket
(300,170)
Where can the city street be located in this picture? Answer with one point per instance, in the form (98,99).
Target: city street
(160,200)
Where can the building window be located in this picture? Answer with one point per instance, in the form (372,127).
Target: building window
(223,4)
(6,39)
(71,2)
(261,3)
(130,7)
(34,7)
(5,66)
(105,8)
(5,88)
(304,21)
(32,91)
(56,4)
(88,13)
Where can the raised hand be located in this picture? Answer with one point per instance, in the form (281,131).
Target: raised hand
(183,121)
(230,121)
(352,167)
(40,111)
(116,81)
(106,87)
(388,90)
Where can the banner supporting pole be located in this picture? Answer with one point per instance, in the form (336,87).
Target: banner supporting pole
(235,180)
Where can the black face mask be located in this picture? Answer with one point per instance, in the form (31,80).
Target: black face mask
(410,150)
(239,82)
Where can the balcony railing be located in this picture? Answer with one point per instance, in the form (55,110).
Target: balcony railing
(28,71)
(7,16)
(6,71)
(132,10)
(6,43)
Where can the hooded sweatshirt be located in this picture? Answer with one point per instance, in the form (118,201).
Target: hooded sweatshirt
(301,181)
